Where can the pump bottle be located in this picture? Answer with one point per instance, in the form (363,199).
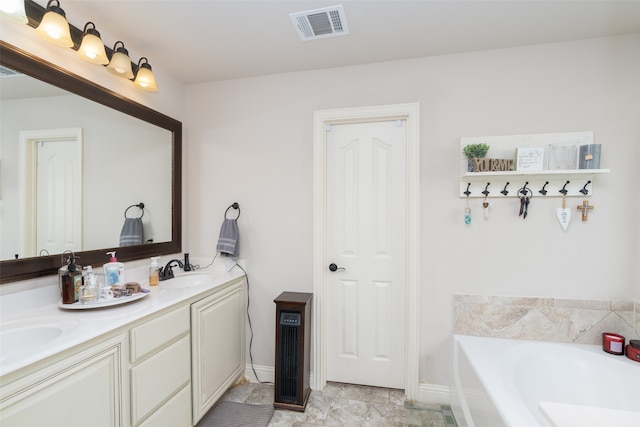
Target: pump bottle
(154,272)
(113,271)
(70,279)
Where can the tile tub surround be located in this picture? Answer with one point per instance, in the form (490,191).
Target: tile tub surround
(344,405)
(543,319)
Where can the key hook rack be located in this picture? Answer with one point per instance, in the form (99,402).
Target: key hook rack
(527,189)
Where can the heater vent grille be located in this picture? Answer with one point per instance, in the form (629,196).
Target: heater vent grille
(320,23)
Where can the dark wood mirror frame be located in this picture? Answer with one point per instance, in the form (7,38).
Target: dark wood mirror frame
(29,268)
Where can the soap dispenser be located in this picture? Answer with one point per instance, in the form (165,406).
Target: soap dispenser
(70,279)
(113,271)
(65,281)
(154,272)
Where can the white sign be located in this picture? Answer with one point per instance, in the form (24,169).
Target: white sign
(530,159)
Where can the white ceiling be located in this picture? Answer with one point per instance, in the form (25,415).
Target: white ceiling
(207,40)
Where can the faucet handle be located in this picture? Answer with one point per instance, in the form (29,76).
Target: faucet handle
(166,273)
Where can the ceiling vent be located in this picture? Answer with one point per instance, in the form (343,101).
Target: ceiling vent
(320,23)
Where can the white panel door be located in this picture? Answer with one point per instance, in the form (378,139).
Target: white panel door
(59,196)
(366,239)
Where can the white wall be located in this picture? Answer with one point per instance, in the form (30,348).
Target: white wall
(250,141)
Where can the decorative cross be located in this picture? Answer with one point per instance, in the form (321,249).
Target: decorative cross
(585,208)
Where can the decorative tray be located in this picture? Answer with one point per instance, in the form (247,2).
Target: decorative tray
(103,302)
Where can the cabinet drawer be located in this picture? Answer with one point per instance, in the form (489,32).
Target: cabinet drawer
(175,413)
(156,332)
(159,377)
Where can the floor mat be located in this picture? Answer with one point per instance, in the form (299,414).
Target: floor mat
(233,414)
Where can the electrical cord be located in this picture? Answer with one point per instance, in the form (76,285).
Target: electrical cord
(251,329)
(197,266)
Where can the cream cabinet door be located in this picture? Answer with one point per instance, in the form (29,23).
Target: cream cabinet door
(217,346)
(82,390)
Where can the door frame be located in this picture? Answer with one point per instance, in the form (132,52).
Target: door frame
(27,186)
(321,119)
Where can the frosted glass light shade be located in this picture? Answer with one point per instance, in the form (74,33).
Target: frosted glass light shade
(120,64)
(145,79)
(54,27)
(92,49)
(14,10)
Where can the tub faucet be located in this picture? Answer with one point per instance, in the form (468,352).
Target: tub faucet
(166,273)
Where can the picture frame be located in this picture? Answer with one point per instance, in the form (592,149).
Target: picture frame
(529,159)
(563,156)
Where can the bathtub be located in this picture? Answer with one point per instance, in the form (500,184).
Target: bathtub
(502,382)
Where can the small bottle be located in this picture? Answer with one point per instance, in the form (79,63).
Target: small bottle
(113,271)
(89,292)
(154,272)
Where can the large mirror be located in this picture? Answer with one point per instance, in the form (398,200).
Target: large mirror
(118,154)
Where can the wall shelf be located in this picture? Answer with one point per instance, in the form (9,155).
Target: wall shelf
(576,182)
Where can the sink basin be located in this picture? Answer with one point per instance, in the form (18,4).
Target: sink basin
(27,337)
(189,280)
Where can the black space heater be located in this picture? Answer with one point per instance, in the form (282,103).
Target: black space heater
(293,332)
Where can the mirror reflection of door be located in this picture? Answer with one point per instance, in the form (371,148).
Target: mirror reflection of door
(51,194)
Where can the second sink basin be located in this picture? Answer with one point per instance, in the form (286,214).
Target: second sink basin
(26,337)
(189,280)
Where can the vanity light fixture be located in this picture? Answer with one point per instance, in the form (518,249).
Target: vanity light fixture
(120,64)
(14,10)
(144,77)
(92,49)
(54,27)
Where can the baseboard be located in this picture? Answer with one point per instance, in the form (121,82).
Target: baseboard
(433,393)
(427,393)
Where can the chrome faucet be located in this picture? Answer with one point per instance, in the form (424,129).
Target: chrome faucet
(166,272)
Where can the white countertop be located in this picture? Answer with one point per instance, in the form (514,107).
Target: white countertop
(35,307)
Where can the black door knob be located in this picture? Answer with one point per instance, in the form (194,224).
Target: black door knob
(334,267)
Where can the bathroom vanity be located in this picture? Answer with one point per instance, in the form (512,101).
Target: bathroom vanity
(137,364)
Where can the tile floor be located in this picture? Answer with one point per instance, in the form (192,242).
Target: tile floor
(345,405)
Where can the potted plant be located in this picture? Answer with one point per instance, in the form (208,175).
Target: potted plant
(474,151)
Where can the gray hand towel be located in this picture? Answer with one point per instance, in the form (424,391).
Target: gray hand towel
(132,232)
(228,241)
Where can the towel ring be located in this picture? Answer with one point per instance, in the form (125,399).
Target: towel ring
(139,205)
(235,205)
